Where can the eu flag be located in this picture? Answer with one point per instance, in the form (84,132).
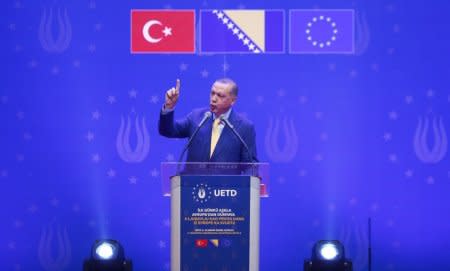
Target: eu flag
(321,31)
(241,31)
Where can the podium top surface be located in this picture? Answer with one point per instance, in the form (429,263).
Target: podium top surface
(170,169)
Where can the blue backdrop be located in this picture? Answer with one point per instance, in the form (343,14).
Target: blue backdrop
(348,136)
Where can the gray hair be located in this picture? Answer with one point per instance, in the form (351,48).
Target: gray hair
(228,81)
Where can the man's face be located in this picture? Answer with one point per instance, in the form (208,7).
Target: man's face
(221,98)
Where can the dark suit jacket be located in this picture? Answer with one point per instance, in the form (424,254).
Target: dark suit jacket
(228,148)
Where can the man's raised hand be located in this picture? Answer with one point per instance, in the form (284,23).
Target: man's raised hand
(172,96)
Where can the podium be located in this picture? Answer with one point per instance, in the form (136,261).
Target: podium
(215,211)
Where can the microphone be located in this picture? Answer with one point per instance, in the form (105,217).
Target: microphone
(206,116)
(253,159)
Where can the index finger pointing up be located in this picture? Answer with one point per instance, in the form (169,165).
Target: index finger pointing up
(177,87)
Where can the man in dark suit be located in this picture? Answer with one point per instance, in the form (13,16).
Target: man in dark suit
(215,141)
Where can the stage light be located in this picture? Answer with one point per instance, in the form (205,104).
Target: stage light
(105,251)
(107,255)
(329,251)
(328,256)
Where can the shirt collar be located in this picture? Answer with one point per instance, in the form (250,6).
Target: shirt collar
(226,115)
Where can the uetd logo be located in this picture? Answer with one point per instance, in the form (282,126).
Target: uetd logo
(202,193)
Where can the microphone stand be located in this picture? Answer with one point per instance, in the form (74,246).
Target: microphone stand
(250,155)
(188,144)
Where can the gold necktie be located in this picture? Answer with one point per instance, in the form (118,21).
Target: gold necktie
(214,135)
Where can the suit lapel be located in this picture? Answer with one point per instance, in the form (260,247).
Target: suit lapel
(206,134)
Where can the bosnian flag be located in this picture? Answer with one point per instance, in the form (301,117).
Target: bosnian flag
(242,31)
(162,31)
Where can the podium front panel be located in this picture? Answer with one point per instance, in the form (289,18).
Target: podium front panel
(215,223)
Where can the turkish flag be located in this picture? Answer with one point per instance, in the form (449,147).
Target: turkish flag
(162,31)
(202,243)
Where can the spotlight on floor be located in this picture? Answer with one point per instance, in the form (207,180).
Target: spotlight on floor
(107,255)
(328,256)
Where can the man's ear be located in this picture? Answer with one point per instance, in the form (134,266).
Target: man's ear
(234,100)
